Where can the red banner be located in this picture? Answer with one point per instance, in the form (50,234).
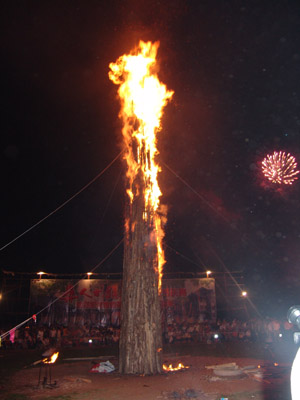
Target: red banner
(98,302)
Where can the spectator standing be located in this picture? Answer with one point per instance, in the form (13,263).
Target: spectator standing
(53,335)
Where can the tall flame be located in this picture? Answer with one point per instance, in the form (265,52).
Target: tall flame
(143,98)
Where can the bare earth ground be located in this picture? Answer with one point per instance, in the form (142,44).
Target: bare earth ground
(75,382)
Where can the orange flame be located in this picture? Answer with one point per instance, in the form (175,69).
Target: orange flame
(52,359)
(143,98)
(170,368)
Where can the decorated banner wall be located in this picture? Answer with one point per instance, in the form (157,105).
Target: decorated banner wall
(189,300)
(97,302)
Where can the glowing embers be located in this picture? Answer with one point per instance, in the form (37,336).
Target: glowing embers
(280,168)
(170,368)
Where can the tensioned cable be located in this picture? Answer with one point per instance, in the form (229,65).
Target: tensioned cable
(107,205)
(63,294)
(209,205)
(194,191)
(183,256)
(63,204)
(226,269)
(233,279)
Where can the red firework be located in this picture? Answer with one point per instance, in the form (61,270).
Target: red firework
(280,168)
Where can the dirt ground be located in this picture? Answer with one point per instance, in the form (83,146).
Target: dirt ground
(74,381)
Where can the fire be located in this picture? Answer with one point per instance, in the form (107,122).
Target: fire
(52,359)
(170,368)
(143,98)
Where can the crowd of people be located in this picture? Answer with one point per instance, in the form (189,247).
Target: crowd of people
(264,331)
(30,337)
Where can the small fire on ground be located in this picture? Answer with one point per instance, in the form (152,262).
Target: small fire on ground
(170,368)
(52,359)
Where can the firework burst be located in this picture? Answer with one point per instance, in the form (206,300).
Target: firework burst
(280,168)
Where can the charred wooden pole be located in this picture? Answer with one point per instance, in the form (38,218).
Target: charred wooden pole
(141,336)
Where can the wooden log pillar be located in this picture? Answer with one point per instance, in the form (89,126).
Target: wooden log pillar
(141,334)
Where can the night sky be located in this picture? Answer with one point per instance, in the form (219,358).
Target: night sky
(235,70)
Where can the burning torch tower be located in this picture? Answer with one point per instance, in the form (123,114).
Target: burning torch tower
(143,98)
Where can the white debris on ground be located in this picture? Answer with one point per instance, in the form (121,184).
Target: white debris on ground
(103,367)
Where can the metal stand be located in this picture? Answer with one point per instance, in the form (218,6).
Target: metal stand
(46,381)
